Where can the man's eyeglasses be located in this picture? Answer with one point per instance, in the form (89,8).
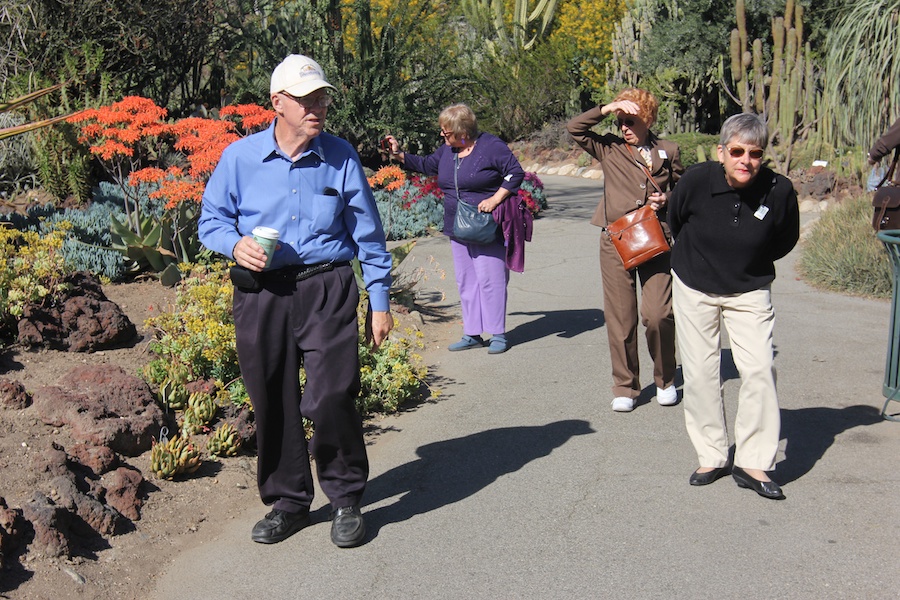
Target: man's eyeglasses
(307,102)
(737,152)
(625,122)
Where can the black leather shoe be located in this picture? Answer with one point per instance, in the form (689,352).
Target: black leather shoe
(278,525)
(708,477)
(347,527)
(766,489)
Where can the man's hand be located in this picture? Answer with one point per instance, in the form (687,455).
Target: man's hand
(249,254)
(378,325)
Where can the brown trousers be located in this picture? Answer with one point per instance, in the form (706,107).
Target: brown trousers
(620,309)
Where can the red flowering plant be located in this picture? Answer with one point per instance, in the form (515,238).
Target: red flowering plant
(129,138)
(531,192)
(409,207)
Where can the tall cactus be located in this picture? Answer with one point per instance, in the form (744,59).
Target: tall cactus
(782,91)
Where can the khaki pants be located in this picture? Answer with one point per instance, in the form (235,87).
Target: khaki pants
(749,320)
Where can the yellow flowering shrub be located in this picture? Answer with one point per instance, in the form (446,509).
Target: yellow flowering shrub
(195,340)
(584,29)
(31,267)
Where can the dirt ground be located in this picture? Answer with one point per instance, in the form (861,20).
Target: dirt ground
(176,515)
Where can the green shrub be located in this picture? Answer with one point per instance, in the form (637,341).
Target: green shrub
(842,253)
(688,144)
(389,376)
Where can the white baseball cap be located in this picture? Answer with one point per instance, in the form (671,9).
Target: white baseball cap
(299,76)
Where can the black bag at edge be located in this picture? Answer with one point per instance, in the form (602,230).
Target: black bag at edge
(886,201)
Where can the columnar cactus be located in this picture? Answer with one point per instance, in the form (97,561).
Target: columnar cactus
(788,104)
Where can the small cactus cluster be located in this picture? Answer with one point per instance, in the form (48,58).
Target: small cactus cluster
(199,413)
(169,458)
(224,441)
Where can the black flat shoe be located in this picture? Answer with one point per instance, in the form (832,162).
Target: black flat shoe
(766,489)
(278,526)
(709,477)
(348,529)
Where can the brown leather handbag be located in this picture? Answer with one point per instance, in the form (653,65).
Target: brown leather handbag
(886,201)
(638,237)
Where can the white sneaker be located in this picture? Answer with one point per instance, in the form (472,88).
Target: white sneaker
(623,404)
(667,397)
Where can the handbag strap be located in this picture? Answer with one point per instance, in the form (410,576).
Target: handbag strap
(890,172)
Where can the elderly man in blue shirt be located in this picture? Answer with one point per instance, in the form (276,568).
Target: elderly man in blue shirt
(300,310)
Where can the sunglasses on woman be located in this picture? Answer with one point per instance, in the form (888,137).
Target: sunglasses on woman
(626,122)
(737,152)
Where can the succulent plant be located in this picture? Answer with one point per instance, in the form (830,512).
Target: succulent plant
(174,457)
(190,422)
(224,441)
(173,394)
(204,406)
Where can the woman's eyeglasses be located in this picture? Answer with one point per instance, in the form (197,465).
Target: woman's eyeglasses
(625,122)
(321,101)
(737,152)
(446,134)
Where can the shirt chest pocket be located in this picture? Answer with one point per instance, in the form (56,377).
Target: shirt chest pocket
(322,211)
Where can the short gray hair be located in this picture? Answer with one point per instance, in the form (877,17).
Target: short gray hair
(459,119)
(744,127)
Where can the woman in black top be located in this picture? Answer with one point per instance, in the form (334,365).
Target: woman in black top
(731,220)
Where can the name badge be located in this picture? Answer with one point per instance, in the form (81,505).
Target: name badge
(662,154)
(761,212)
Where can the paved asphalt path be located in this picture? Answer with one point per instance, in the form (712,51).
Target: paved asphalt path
(521,482)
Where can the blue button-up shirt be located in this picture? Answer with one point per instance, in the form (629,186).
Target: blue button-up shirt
(321,204)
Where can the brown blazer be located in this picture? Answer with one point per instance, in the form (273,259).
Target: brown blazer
(626,185)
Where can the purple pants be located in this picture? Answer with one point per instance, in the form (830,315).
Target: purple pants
(481,276)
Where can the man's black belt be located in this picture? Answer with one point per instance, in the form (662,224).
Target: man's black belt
(301,272)
(251,281)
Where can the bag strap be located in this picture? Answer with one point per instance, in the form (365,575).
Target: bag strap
(890,173)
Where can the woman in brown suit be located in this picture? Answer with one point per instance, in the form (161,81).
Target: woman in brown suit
(628,163)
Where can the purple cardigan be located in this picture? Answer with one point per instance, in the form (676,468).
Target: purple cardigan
(490,166)
(516,222)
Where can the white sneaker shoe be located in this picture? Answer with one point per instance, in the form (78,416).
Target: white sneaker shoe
(623,404)
(667,397)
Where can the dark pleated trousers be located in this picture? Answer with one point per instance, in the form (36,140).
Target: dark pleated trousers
(284,326)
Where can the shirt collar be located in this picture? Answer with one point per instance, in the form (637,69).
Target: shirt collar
(271,150)
(717,183)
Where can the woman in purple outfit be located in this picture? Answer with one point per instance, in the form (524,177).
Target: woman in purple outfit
(479,169)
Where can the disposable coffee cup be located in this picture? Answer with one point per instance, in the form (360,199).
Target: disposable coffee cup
(267,238)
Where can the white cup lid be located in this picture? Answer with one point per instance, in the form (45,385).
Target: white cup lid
(266,232)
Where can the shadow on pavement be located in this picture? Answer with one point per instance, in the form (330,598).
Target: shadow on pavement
(563,323)
(810,432)
(452,470)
